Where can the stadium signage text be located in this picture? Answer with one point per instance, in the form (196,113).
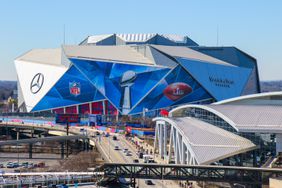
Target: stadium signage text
(221,82)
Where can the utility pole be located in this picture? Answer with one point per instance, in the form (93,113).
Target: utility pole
(64,40)
(109,148)
(67,143)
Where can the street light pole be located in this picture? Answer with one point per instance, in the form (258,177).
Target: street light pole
(67,144)
(109,148)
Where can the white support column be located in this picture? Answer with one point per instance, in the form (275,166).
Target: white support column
(186,156)
(156,136)
(191,159)
(175,147)
(278,143)
(77,109)
(165,139)
(183,153)
(170,144)
(161,140)
(90,108)
(104,107)
(179,145)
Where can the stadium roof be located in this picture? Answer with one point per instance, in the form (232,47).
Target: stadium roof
(185,52)
(208,142)
(129,38)
(110,53)
(44,56)
(245,118)
(139,37)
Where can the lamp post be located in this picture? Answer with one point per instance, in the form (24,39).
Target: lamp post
(67,143)
(143,119)
(109,148)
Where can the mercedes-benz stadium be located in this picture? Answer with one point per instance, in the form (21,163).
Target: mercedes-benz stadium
(127,73)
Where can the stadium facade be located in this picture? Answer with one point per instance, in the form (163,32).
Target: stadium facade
(127,73)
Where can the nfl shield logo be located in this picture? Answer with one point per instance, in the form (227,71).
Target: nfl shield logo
(74,88)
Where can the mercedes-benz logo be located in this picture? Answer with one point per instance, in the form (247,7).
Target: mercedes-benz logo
(36,83)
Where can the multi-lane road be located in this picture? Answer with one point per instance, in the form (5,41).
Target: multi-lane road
(108,146)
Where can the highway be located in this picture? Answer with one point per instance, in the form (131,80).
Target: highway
(45,139)
(118,156)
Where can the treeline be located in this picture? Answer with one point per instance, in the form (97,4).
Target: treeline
(267,86)
(6,89)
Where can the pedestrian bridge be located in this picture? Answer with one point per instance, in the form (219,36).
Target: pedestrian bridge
(187,140)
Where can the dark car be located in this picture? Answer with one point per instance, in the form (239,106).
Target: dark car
(136,161)
(140,155)
(149,182)
(114,137)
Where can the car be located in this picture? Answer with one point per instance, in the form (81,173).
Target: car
(128,153)
(30,165)
(62,186)
(1,166)
(136,161)
(17,170)
(125,150)
(10,165)
(97,133)
(41,165)
(114,137)
(149,182)
(140,155)
(16,165)
(151,161)
(116,148)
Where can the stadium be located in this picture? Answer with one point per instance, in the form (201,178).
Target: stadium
(127,73)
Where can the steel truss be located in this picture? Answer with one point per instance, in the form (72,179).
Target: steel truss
(253,177)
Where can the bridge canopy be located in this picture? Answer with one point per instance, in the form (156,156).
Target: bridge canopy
(206,142)
(211,143)
(243,118)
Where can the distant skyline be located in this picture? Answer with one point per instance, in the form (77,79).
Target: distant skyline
(254,26)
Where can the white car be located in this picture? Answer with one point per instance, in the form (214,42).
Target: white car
(128,153)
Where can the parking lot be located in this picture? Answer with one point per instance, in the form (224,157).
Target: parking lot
(24,164)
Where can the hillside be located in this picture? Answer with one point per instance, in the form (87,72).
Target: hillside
(6,89)
(267,86)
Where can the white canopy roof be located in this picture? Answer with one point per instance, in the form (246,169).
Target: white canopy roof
(243,118)
(252,118)
(210,143)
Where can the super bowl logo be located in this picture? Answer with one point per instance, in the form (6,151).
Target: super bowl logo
(74,88)
(177,90)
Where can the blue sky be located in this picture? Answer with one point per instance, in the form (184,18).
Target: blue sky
(254,26)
